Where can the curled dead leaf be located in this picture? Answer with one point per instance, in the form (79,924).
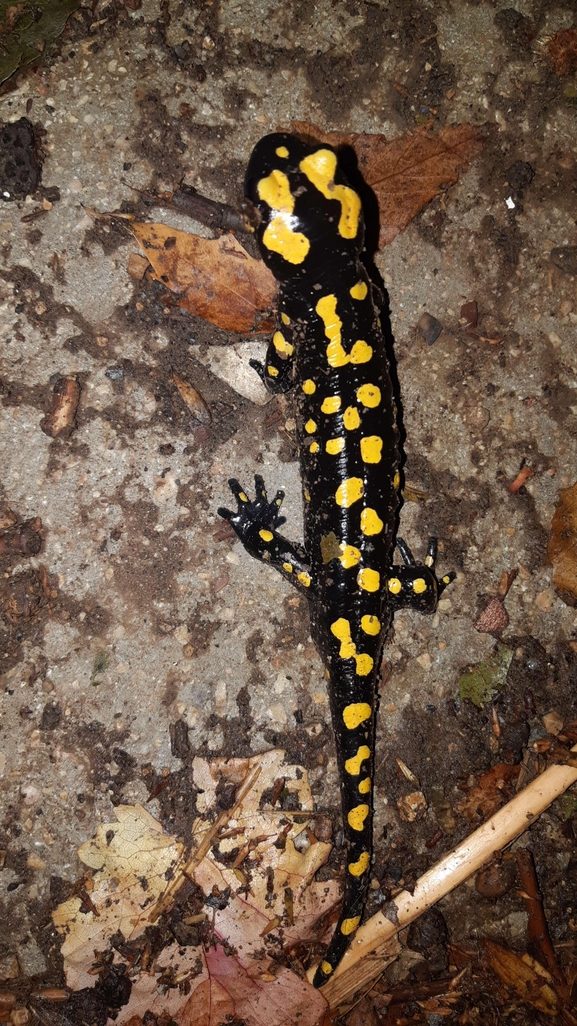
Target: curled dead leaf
(60,419)
(214,278)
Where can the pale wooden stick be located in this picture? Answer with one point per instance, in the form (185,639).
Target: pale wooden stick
(460,863)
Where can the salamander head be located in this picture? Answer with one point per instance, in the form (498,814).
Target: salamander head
(309,214)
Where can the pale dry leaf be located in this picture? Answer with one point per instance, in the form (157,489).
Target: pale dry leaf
(132,858)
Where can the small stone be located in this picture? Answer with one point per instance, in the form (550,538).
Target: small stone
(429,327)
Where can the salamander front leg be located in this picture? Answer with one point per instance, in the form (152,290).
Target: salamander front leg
(255,524)
(416,584)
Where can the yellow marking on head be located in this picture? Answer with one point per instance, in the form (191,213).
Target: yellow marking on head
(314,447)
(360,867)
(331,404)
(371,449)
(280,238)
(361,352)
(272,371)
(266,536)
(281,151)
(369,580)
(365,664)
(394,585)
(276,191)
(357,816)
(359,291)
(349,491)
(351,418)
(285,318)
(281,345)
(396,480)
(310,427)
(353,765)
(355,714)
(419,586)
(365,786)
(326,968)
(287,567)
(350,556)
(304,578)
(309,387)
(243,497)
(320,167)
(349,926)
(334,446)
(369,395)
(370,624)
(371,522)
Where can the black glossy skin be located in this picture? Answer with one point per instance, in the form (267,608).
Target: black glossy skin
(350,490)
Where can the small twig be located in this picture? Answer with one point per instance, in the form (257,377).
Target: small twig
(537,925)
(359,962)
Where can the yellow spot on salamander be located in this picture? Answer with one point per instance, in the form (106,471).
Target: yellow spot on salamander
(349,926)
(309,387)
(331,404)
(351,418)
(243,497)
(287,567)
(306,493)
(314,448)
(281,151)
(350,556)
(280,238)
(304,578)
(320,169)
(326,968)
(361,352)
(310,427)
(334,446)
(281,345)
(370,624)
(359,291)
(266,536)
(355,714)
(365,664)
(371,449)
(357,817)
(446,579)
(369,580)
(272,371)
(429,561)
(341,629)
(394,585)
(365,786)
(285,318)
(353,766)
(349,491)
(396,483)
(369,395)
(276,191)
(419,586)
(360,867)
(371,522)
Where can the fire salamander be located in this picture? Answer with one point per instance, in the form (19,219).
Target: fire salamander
(329,347)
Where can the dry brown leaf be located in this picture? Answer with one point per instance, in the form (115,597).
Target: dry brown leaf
(215,278)
(489,794)
(192,399)
(562,50)
(407,172)
(525,976)
(562,549)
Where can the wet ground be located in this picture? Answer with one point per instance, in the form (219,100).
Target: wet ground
(141,618)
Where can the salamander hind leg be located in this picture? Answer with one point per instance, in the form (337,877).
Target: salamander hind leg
(255,523)
(416,584)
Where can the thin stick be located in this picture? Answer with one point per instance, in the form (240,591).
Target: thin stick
(453,869)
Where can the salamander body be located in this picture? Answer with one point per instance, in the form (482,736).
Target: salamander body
(329,348)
